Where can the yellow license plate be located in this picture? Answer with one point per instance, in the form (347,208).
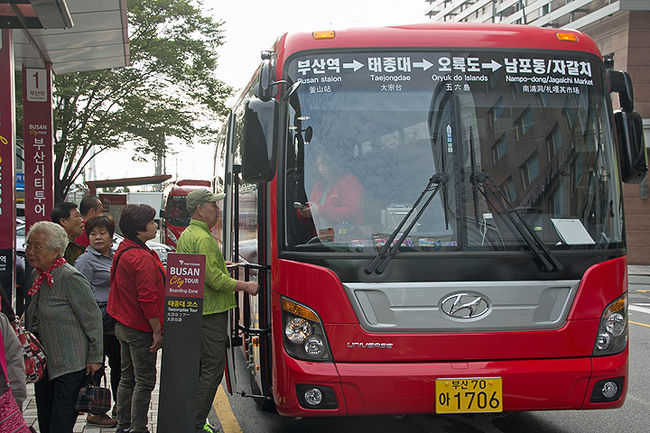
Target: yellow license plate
(469,395)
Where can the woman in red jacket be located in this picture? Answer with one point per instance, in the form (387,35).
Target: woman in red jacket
(135,301)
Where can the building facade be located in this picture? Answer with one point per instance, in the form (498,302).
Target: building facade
(622,31)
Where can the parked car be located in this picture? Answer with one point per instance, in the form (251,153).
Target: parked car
(20,237)
(161,249)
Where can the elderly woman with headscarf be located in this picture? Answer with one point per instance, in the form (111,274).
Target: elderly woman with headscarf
(66,319)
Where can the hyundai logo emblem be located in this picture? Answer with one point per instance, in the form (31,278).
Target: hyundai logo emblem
(465,305)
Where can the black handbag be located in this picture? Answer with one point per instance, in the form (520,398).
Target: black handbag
(93,399)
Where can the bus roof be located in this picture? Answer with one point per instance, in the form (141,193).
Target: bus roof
(195,182)
(442,35)
(183,187)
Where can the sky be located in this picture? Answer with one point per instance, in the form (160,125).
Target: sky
(250,27)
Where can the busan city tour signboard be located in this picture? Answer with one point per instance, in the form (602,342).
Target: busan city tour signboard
(181,342)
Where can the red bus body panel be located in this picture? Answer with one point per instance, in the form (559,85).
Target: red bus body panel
(541,370)
(440,36)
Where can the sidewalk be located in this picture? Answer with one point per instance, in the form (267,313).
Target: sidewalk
(29,411)
(638,270)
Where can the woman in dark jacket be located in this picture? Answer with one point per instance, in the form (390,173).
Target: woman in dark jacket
(135,301)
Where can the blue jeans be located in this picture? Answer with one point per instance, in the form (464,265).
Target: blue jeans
(55,401)
(138,378)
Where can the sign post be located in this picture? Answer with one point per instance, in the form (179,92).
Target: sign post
(181,342)
(37,135)
(7,152)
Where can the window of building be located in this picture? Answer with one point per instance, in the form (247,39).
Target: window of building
(554,142)
(545,9)
(524,123)
(577,169)
(530,170)
(499,149)
(558,201)
(496,112)
(509,189)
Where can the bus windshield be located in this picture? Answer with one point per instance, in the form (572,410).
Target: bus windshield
(368,130)
(176,211)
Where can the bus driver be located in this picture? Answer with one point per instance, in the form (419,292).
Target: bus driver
(335,199)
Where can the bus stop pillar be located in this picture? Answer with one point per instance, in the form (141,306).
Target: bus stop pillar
(37,133)
(7,157)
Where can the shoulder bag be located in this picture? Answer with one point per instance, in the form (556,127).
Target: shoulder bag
(35,359)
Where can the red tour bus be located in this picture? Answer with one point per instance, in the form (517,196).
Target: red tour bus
(174,216)
(435,215)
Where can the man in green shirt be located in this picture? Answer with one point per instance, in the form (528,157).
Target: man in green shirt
(218,297)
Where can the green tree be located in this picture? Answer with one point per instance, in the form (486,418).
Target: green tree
(168,89)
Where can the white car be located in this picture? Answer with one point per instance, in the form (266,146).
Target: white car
(160,249)
(20,237)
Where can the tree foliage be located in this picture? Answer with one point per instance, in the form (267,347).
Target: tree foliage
(170,86)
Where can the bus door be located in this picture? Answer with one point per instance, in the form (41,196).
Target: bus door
(224,152)
(244,244)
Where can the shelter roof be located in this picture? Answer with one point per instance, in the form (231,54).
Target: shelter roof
(126,181)
(73,35)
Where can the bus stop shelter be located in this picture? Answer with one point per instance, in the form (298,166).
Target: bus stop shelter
(40,38)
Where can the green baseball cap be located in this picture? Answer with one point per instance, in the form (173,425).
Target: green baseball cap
(200,196)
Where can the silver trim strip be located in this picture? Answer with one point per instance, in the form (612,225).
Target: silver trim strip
(416,307)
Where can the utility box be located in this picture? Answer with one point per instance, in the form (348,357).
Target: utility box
(153,199)
(114,202)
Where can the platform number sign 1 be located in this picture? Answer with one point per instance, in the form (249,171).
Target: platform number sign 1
(36,85)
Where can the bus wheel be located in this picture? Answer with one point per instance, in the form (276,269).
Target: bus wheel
(264,404)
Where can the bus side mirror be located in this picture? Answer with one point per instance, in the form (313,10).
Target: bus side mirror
(162,213)
(266,88)
(621,83)
(258,150)
(634,161)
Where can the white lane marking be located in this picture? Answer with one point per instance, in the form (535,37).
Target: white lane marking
(639,309)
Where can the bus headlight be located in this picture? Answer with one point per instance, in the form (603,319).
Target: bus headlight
(615,324)
(304,335)
(612,332)
(298,329)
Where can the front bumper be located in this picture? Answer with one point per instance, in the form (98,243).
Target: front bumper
(401,388)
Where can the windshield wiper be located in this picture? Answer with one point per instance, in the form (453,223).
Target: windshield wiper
(492,193)
(382,258)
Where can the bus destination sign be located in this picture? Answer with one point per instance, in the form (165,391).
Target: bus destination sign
(404,71)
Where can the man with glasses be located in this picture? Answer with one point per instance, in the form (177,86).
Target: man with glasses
(67,216)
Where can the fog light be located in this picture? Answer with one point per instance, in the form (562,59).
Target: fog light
(313,396)
(609,389)
(314,346)
(604,341)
